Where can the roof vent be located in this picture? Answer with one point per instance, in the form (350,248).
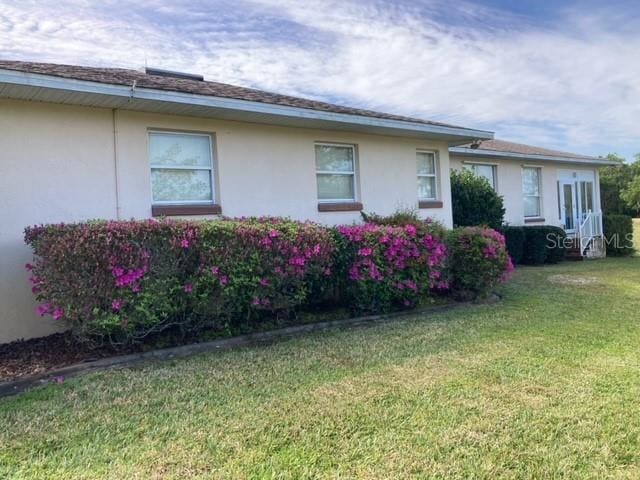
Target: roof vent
(172,74)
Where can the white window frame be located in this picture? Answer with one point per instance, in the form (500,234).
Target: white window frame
(209,136)
(352,173)
(433,175)
(494,168)
(539,196)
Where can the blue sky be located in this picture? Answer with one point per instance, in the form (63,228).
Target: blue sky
(560,74)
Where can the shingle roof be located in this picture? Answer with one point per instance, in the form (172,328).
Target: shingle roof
(120,76)
(521,149)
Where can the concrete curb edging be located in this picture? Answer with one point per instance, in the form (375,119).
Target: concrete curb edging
(23,384)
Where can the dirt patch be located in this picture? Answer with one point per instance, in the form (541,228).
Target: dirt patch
(572,280)
(31,357)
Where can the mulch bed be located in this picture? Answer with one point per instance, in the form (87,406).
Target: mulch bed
(38,355)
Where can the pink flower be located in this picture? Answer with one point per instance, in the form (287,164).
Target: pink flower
(265,242)
(117,272)
(411,230)
(215,270)
(365,252)
(135,288)
(28,266)
(274,233)
(300,261)
(58,313)
(264,282)
(116,305)
(255,301)
(224,280)
(411,285)
(184,243)
(188,288)
(43,309)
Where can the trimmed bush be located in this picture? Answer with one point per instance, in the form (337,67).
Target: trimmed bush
(399,218)
(131,281)
(514,239)
(126,281)
(392,267)
(474,201)
(556,250)
(543,244)
(535,246)
(618,232)
(478,261)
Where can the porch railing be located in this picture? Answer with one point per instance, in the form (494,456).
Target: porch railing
(590,228)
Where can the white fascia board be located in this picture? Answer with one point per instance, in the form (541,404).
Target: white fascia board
(130,92)
(477,152)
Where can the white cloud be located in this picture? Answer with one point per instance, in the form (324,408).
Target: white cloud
(572,84)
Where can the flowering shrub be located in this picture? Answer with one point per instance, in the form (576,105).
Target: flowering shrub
(116,280)
(128,280)
(391,267)
(479,260)
(249,267)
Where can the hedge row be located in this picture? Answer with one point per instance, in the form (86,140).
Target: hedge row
(618,231)
(128,281)
(535,245)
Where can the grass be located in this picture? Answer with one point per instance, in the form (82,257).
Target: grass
(543,385)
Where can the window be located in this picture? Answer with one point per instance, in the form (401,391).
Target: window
(181,168)
(335,172)
(531,191)
(487,172)
(426,162)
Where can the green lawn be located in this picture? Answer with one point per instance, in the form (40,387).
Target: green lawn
(545,384)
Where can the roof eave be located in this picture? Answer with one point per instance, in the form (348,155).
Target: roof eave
(135,98)
(477,152)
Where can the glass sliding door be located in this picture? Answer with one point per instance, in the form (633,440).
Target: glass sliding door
(586,199)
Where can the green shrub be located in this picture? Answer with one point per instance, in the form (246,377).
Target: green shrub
(399,218)
(556,238)
(514,238)
(618,232)
(478,261)
(535,246)
(474,201)
(543,244)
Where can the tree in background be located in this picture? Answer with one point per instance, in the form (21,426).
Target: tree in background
(616,187)
(631,194)
(474,201)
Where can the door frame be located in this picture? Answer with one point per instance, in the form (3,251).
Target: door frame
(573,178)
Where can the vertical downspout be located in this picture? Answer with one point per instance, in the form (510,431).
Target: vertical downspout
(115,162)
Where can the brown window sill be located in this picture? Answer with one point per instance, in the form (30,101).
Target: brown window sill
(533,219)
(429,204)
(340,207)
(180,210)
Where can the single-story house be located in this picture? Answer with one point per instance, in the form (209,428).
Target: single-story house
(541,186)
(81,143)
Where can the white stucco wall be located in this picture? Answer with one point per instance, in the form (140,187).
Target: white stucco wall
(268,170)
(509,186)
(57,164)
